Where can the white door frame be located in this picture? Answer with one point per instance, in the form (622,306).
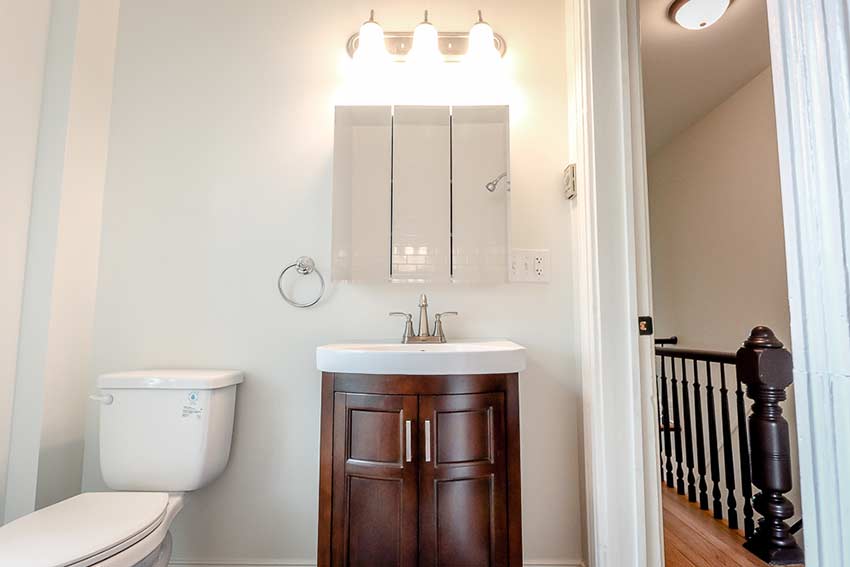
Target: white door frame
(811,82)
(614,288)
(811,75)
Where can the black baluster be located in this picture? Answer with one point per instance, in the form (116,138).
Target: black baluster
(712,445)
(703,493)
(665,413)
(689,444)
(677,429)
(728,464)
(744,449)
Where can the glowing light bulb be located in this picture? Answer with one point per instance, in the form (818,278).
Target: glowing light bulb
(482,47)
(425,49)
(371,49)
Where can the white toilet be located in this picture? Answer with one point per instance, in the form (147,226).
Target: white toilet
(162,433)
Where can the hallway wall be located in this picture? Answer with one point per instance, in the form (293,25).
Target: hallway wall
(718,250)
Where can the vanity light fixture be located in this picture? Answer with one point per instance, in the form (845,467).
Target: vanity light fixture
(371,48)
(697,14)
(451,46)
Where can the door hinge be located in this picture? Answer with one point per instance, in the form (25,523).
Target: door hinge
(645,326)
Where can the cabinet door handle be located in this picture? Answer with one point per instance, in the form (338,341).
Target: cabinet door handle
(427,440)
(408,454)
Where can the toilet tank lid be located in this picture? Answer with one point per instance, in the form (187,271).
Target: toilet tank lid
(171,379)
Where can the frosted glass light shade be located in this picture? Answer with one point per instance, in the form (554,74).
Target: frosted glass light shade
(371,49)
(425,49)
(482,47)
(698,14)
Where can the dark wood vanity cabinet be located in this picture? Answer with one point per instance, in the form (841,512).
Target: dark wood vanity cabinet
(420,471)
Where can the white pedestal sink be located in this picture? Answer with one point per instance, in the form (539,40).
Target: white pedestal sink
(456,357)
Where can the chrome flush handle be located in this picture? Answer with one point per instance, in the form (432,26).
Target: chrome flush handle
(105,399)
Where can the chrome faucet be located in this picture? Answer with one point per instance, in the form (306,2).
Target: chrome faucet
(423,317)
(425,335)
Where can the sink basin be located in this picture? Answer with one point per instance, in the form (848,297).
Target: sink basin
(456,357)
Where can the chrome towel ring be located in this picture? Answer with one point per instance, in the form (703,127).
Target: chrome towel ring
(304,266)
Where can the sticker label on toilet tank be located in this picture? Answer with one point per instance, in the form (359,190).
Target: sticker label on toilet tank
(192,406)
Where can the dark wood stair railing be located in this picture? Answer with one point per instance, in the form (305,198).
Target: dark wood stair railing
(688,412)
(765,367)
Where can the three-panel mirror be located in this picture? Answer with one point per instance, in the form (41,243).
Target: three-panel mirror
(421,194)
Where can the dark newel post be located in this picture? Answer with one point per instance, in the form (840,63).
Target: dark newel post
(765,367)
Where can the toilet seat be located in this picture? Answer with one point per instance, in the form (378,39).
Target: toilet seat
(87,529)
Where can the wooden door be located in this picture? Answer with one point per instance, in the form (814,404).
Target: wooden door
(375,491)
(462,498)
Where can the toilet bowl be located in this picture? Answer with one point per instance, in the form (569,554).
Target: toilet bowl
(162,433)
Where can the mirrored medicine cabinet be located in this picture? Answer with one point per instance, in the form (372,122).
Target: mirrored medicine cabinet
(421,194)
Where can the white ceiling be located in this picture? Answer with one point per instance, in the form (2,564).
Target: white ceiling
(688,73)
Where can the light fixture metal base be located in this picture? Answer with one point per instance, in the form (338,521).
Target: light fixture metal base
(453,45)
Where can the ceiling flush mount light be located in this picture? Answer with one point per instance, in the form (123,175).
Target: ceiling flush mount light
(451,46)
(697,14)
(371,48)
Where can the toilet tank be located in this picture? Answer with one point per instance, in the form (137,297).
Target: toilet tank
(165,430)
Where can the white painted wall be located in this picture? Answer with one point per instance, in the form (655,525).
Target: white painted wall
(46,447)
(220,173)
(23,42)
(68,364)
(718,252)
(27,413)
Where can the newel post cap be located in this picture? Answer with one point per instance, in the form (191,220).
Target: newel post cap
(762,360)
(762,337)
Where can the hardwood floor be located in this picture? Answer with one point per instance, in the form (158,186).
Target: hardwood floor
(693,538)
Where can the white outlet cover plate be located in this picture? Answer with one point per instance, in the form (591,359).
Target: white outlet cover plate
(529,265)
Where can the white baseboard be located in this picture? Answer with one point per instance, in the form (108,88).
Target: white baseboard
(312,563)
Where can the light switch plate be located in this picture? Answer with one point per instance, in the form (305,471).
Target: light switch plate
(530,265)
(570,181)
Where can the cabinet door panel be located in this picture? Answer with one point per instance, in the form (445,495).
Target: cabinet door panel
(462,512)
(375,494)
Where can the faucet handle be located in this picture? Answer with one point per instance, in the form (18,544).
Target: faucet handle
(408,324)
(438,324)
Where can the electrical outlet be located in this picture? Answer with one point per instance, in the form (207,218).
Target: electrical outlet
(529,265)
(540,265)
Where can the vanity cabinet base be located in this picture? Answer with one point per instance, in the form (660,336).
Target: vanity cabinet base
(420,471)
